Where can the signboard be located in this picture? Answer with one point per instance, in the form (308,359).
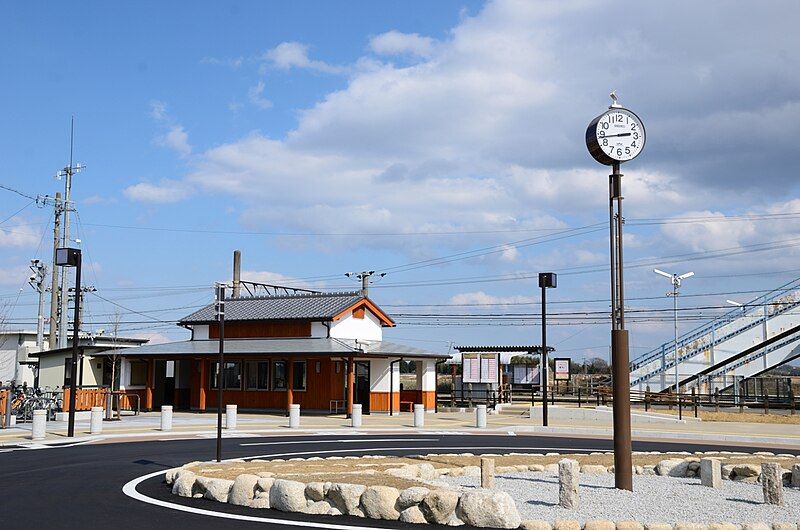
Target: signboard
(562,369)
(479,368)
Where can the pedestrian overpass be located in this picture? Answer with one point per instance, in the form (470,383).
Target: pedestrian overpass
(745,342)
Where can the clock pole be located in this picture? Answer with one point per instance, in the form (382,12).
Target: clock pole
(623,474)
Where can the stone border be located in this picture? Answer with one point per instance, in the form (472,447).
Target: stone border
(440,504)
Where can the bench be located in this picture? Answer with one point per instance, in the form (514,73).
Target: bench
(407,406)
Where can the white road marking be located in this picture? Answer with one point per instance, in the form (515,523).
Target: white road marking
(229,435)
(344,440)
(512,433)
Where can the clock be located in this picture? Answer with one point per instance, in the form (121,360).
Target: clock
(615,136)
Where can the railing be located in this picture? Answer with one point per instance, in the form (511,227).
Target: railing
(710,329)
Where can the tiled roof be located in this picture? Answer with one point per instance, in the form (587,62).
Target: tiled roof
(315,306)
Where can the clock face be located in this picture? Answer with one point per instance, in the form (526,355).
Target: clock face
(615,136)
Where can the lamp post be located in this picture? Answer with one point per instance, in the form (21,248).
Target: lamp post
(547,280)
(71,257)
(676,283)
(220,313)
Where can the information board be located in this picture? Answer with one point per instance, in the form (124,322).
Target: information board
(479,368)
(562,369)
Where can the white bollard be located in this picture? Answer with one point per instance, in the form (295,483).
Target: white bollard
(39,425)
(96,423)
(294,416)
(230,417)
(166,417)
(355,417)
(419,415)
(12,420)
(480,416)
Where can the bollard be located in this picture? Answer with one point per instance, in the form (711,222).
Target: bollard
(796,476)
(568,480)
(166,417)
(96,422)
(711,472)
(531,412)
(230,417)
(480,416)
(12,420)
(419,415)
(294,416)
(39,424)
(355,417)
(487,473)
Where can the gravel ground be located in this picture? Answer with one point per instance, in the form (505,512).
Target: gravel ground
(656,499)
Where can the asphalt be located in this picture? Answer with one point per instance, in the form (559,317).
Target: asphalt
(81,486)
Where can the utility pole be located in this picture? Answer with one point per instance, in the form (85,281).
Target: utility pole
(220,317)
(67,173)
(676,280)
(54,292)
(364,276)
(81,304)
(37,282)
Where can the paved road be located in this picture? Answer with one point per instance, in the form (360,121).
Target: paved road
(81,486)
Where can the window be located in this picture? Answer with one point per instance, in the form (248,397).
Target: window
(257,375)
(279,375)
(67,371)
(299,376)
(231,376)
(138,373)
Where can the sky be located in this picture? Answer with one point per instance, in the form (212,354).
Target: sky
(440,143)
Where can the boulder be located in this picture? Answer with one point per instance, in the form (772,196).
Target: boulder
(183,484)
(346,497)
(411,497)
(648,470)
(243,490)
(599,525)
(318,508)
(379,502)
(439,505)
(263,485)
(426,471)
(489,509)
(657,526)
(727,471)
(782,526)
(551,469)
(315,491)
(287,495)
(744,471)
(591,469)
(538,468)
(412,515)
(260,502)
(672,467)
(265,474)
(723,526)
(472,471)
(629,525)
(566,524)
(533,524)
(756,526)
(170,475)
(690,526)
(408,472)
(217,489)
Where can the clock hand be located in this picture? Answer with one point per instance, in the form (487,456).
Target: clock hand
(615,135)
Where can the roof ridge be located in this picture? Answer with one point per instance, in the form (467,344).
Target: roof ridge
(331,294)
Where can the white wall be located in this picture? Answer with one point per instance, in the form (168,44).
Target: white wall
(379,376)
(319,330)
(429,375)
(349,327)
(200,332)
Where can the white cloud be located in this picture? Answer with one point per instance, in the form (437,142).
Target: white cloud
(397,43)
(482,298)
(288,55)
(158,110)
(256,96)
(20,235)
(15,275)
(166,191)
(176,139)
(233,63)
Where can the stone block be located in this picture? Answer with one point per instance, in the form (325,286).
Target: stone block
(724,526)
(379,502)
(243,490)
(315,491)
(711,472)
(568,481)
(796,476)
(599,525)
(690,526)
(487,473)
(412,515)
(288,496)
(772,483)
(439,505)
(411,497)
(488,509)
(534,524)
(657,526)
(346,497)
(629,525)
(566,524)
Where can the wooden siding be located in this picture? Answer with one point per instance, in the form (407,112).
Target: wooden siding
(379,401)
(427,397)
(86,398)
(262,329)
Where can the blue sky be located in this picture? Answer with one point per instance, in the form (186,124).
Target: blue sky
(374,135)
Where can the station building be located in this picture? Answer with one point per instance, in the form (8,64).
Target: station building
(323,351)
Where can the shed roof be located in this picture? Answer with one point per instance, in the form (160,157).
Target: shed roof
(304,306)
(290,347)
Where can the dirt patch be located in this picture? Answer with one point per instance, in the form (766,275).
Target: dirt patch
(738,417)
(364,480)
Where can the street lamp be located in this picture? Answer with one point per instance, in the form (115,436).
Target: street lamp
(676,283)
(547,280)
(71,257)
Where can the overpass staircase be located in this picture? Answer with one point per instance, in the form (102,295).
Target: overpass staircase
(745,342)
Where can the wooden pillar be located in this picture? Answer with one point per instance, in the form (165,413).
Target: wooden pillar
(351,382)
(201,405)
(289,383)
(148,389)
